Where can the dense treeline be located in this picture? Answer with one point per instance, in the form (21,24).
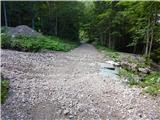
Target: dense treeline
(50,17)
(126,26)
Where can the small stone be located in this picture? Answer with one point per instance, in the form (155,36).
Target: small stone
(71,116)
(140,115)
(66,111)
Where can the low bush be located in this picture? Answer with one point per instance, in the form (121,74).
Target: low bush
(34,44)
(132,78)
(151,83)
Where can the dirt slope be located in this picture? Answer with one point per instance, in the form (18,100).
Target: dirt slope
(62,86)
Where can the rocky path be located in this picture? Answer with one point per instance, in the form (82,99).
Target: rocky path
(63,86)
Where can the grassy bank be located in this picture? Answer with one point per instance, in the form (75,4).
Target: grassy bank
(35,44)
(150,83)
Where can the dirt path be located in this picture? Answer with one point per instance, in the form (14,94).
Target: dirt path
(62,86)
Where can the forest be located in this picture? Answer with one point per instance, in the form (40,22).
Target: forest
(125,26)
(80,60)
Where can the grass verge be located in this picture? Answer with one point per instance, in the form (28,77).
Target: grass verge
(4,90)
(35,44)
(108,52)
(132,78)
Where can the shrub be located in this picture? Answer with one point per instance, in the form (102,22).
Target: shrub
(151,83)
(34,44)
(131,77)
(156,55)
(5,41)
(152,89)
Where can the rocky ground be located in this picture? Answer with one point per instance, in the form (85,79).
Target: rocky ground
(62,86)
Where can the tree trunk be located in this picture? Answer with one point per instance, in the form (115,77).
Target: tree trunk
(152,32)
(147,37)
(56,21)
(5,14)
(56,25)
(101,38)
(150,45)
(109,40)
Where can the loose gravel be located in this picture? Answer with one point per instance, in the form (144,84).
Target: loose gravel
(68,86)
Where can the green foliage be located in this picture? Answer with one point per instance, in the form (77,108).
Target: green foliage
(5,41)
(156,55)
(131,77)
(153,89)
(153,78)
(57,18)
(108,52)
(151,83)
(100,47)
(148,60)
(126,26)
(4,90)
(24,43)
(4,29)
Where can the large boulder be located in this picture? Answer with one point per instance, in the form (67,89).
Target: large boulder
(22,30)
(113,63)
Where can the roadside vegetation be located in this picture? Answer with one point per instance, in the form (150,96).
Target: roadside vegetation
(150,83)
(131,27)
(112,54)
(35,44)
(4,89)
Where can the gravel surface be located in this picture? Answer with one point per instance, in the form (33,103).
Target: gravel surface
(22,30)
(68,86)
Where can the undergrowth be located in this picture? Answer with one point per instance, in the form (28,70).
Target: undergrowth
(108,52)
(4,89)
(132,78)
(35,44)
(150,83)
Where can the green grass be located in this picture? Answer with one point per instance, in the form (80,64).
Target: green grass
(4,90)
(132,78)
(150,83)
(35,44)
(108,52)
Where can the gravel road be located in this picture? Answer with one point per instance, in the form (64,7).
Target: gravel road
(68,86)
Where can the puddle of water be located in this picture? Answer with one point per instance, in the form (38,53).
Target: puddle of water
(108,70)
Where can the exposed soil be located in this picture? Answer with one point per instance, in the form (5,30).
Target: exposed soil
(62,86)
